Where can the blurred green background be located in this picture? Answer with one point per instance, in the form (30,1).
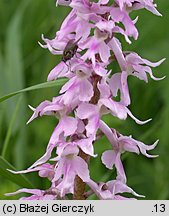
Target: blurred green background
(24,63)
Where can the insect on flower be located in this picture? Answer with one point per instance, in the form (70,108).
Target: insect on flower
(70,50)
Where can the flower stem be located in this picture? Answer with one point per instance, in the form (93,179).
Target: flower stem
(80,186)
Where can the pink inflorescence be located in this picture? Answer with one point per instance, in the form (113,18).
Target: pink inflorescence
(88,44)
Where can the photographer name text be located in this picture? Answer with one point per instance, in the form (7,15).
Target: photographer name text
(47,208)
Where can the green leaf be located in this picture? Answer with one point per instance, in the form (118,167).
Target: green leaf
(9,132)
(56,83)
(18,179)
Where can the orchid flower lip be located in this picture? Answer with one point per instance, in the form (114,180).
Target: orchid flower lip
(12,171)
(32,108)
(41,44)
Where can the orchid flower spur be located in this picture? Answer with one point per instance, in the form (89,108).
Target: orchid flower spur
(87,42)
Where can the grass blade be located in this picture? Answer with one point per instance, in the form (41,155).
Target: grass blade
(18,179)
(56,83)
(9,132)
